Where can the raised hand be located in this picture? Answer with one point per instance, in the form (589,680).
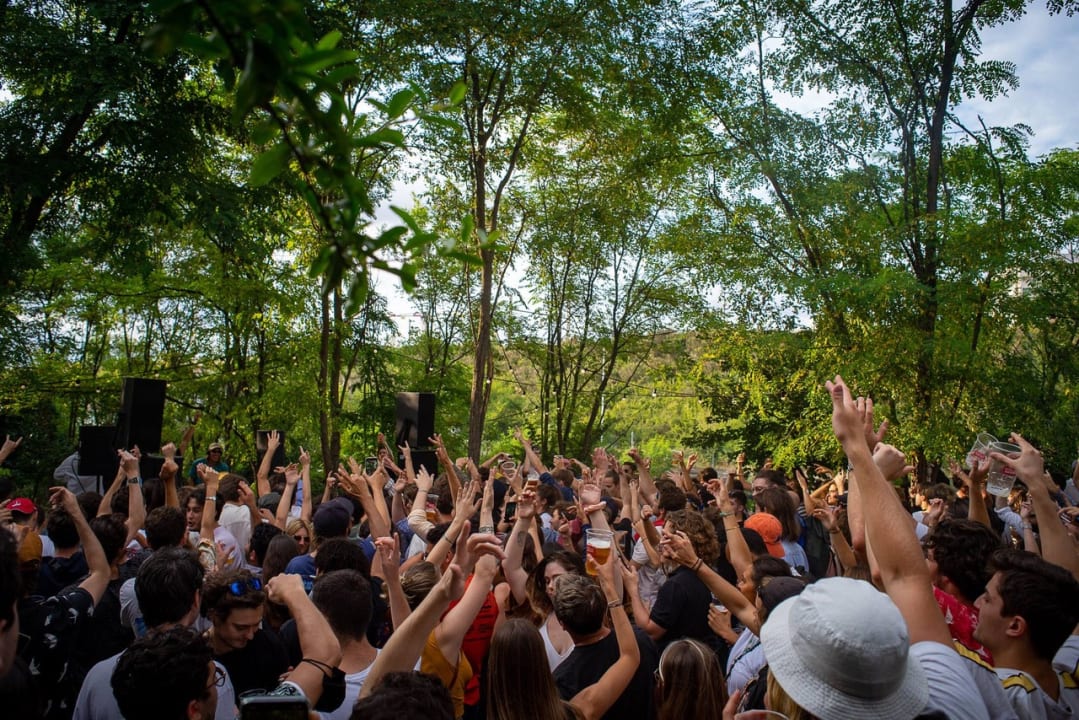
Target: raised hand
(305,458)
(678,547)
(1029,466)
(891,461)
(273,439)
(168,451)
(848,421)
(424,481)
(61,497)
(828,517)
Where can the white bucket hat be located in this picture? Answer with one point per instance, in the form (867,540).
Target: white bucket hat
(840,649)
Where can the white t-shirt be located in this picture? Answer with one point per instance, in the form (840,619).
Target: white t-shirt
(237,520)
(987,683)
(649,579)
(951,688)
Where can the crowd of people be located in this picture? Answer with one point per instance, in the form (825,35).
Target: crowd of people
(599,589)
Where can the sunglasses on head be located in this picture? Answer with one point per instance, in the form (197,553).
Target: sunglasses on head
(240,587)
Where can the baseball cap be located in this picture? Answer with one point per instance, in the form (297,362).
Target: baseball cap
(331,518)
(215,446)
(24,506)
(770,530)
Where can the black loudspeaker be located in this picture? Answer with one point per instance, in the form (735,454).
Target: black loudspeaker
(279,458)
(142,409)
(415,419)
(421,458)
(97,451)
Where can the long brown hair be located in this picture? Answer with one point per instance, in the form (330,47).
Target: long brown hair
(691,682)
(519,681)
(779,502)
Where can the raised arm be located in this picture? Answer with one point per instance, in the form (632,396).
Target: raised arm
(98,579)
(1057,547)
(530,454)
(307,510)
(403,648)
(450,633)
(105,506)
(389,550)
(810,500)
(447,466)
(318,645)
(292,478)
(829,520)
(644,475)
(466,505)
(189,435)
(417,518)
(975,482)
(136,504)
(515,547)
(169,471)
(888,529)
(643,526)
(596,699)
(262,478)
(9,447)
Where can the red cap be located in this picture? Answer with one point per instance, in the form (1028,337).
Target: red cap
(24,506)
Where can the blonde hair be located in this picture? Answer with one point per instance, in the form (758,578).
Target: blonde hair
(776,698)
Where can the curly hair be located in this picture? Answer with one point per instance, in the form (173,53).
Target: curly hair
(701,533)
(962,549)
(160,674)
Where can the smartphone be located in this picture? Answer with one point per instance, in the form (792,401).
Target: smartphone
(370,464)
(511,510)
(272,707)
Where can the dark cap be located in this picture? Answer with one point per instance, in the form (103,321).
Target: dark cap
(331,518)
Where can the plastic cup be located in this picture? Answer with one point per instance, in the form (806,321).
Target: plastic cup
(1001,477)
(432,508)
(979,452)
(597,544)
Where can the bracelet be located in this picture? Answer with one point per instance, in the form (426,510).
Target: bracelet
(451,541)
(210,498)
(697,565)
(614,604)
(485,529)
(134,481)
(726,514)
(728,528)
(1027,526)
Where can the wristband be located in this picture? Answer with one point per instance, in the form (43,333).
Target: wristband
(451,541)
(134,481)
(211,498)
(726,514)
(485,529)
(614,604)
(697,565)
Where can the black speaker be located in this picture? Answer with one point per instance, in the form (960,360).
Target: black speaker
(421,458)
(97,451)
(415,419)
(279,457)
(142,409)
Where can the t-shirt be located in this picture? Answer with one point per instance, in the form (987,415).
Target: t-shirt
(681,609)
(649,579)
(951,690)
(587,663)
(987,683)
(1030,700)
(97,702)
(258,665)
(193,473)
(237,520)
(52,625)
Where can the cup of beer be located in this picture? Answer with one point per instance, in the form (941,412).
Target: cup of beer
(432,508)
(597,545)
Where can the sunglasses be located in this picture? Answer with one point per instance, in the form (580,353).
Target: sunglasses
(300,538)
(240,587)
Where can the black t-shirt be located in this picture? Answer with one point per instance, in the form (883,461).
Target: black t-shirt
(258,665)
(681,609)
(587,663)
(51,626)
(57,573)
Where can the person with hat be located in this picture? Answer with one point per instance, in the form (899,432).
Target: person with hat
(820,644)
(213,459)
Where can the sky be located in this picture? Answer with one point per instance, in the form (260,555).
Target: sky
(1045,50)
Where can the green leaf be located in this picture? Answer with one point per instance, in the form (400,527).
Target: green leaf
(399,103)
(457,93)
(269,165)
(380,137)
(329,40)
(264,132)
(468,224)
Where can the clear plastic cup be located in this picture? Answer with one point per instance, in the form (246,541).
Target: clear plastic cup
(979,452)
(1001,477)
(598,545)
